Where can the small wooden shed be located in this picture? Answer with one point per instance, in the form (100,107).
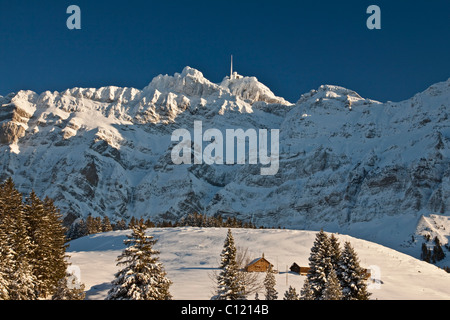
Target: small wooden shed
(300,270)
(258,265)
(295,268)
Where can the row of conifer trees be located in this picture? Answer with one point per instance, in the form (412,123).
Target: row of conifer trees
(92,225)
(33,246)
(334,274)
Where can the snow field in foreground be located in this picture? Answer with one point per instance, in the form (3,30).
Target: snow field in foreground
(191,255)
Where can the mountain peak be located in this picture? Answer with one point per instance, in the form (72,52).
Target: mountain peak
(251,90)
(192,72)
(190,82)
(333,97)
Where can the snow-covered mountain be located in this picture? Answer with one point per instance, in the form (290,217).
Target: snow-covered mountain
(344,160)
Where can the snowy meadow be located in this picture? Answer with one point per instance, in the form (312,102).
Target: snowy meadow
(191,255)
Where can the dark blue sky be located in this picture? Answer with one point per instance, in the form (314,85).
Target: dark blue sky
(291,46)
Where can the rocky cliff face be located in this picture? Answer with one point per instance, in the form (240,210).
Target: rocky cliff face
(344,159)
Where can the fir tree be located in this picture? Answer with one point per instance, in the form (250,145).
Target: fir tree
(333,290)
(229,283)
(291,294)
(335,251)
(77,230)
(426,253)
(106,224)
(19,273)
(120,225)
(307,293)
(58,244)
(438,253)
(143,277)
(3,287)
(40,235)
(351,275)
(320,264)
(93,225)
(5,250)
(269,285)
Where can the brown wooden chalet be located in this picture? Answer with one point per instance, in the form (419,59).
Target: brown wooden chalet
(304,271)
(300,270)
(258,265)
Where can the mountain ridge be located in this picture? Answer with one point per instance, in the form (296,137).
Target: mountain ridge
(344,159)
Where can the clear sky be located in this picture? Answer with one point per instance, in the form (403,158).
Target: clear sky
(290,46)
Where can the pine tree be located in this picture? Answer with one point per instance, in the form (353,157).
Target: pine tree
(335,250)
(307,293)
(40,235)
(426,253)
(291,294)
(5,256)
(106,224)
(3,287)
(320,264)
(333,290)
(229,283)
(120,225)
(438,253)
(93,225)
(143,277)
(58,244)
(269,285)
(351,275)
(19,273)
(77,230)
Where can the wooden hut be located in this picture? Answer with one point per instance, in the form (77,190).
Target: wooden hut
(300,270)
(258,265)
(295,268)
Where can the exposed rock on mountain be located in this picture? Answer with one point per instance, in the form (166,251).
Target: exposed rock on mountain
(343,159)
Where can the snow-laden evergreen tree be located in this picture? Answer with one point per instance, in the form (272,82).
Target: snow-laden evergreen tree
(93,225)
(19,272)
(69,288)
(106,224)
(3,288)
(120,225)
(5,257)
(77,230)
(143,276)
(40,236)
(307,293)
(333,290)
(351,275)
(58,244)
(269,285)
(228,280)
(320,264)
(335,252)
(291,294)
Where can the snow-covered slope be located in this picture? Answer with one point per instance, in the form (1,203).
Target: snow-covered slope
(191,255)
(347,163)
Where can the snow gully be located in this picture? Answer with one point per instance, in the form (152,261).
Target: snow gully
(234,153)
